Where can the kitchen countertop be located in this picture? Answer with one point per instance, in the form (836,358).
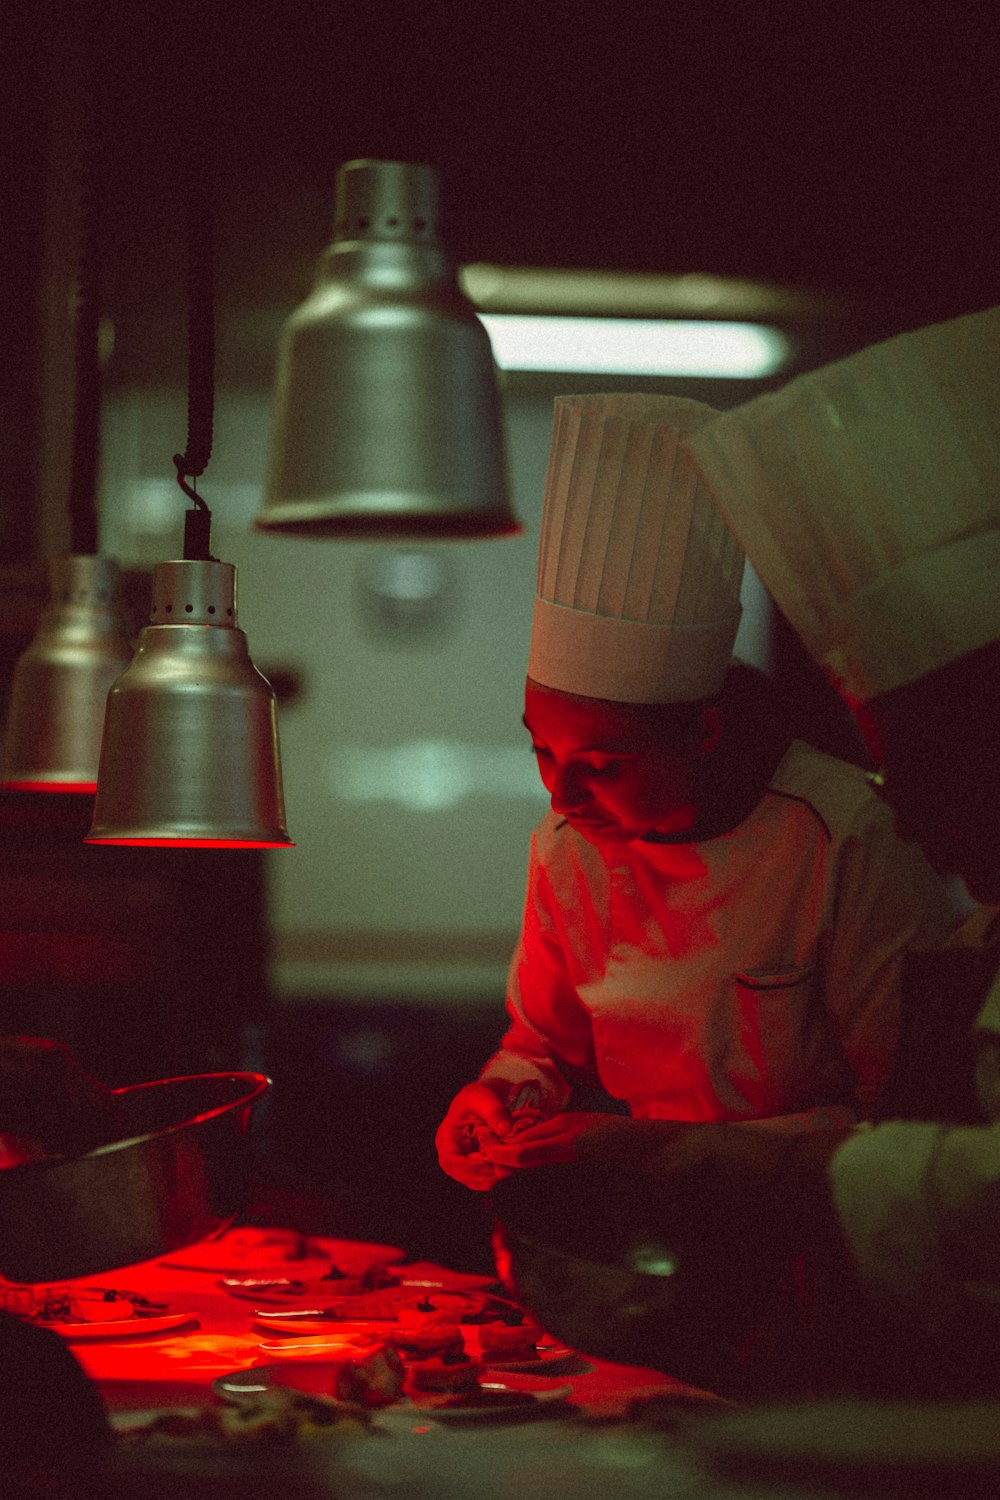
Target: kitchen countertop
(622,1433)
(579,1447)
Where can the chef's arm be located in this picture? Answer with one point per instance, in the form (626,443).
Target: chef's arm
(549,1035)
(545,1021)
(918,1204)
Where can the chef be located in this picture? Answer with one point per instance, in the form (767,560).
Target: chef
(716,915)
(867,495)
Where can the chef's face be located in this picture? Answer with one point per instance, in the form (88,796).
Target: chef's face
(616,771)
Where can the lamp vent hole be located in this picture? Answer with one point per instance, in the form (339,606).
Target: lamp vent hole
(392,223)
(364,223)
(420,224)
(211,609)
(188,608)
(170,609)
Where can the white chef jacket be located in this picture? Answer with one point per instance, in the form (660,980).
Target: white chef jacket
(920,1203)
(749,976)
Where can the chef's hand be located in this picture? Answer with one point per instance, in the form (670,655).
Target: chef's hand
(49,1104)
(478,1112)
(571,1136)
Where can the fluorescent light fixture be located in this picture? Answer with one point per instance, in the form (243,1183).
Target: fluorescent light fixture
(636,346)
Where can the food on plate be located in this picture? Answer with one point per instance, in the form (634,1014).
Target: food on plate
(381,1306)
(510,1340)
(388,1304)
(66,1304)
(274,1416)
(287,1291)
(455,1373)
(427,1341)
(339,1285)
(496,1309)
(376,1276)
(441,1307)
(376,1380)
(367,1376)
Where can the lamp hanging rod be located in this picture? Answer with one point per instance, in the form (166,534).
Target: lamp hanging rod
(82,498)
(201,361)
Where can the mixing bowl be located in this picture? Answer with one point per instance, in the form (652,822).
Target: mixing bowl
(178,1174)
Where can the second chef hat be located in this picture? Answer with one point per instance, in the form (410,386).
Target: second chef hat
(867,496)
(638,592)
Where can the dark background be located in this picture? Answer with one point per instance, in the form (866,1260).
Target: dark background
(850,148)
(845,149)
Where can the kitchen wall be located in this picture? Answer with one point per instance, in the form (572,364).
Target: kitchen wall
(409,783)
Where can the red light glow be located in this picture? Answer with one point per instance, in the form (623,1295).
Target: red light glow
(87,787)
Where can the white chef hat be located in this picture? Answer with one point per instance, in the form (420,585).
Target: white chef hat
(867,496)
(638,594)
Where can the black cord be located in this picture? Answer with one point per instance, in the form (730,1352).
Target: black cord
(201,365)
(87,394)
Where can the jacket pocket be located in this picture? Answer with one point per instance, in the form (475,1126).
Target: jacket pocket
(778,1045)
(770,979)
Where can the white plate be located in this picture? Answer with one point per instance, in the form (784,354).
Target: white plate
(316,1331)
(387,1307)
(319,1328)
(557,1360)
(428,1274)
(241,1384)
(528,1405)
(116,1328)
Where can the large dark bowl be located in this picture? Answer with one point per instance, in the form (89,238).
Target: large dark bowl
(178,1175)
(609,1269)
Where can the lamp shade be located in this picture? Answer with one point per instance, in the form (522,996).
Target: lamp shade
(53,737)
(190,749)
(386,417)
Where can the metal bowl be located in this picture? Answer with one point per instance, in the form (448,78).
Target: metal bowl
(622,1274)
(578,1256)
(179,1175)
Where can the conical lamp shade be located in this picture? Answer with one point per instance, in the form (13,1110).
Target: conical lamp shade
(61,682)
(190,750)
(387,416)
